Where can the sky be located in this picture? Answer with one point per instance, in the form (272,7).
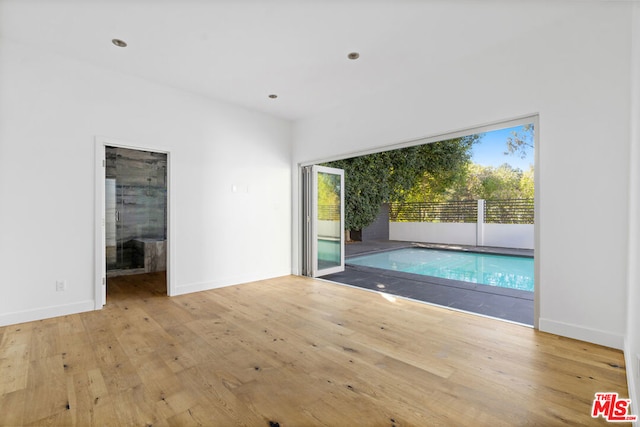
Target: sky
(490,150)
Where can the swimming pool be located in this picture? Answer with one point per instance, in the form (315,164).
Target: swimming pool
(486,269)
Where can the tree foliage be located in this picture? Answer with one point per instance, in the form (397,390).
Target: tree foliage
(436,172)
(328,190)
(477,182)
(488,182)
(519,143)
(391,176)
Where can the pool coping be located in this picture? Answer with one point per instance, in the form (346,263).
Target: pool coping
(353,249)
(438,281)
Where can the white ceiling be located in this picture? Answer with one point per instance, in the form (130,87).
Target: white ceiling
(241,51)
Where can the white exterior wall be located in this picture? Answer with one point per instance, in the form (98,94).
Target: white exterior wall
(509,235)
(433,232)
(499,235)
(51,110)
(575,75)
(329,228)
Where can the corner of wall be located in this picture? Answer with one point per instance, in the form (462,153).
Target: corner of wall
(631,368)
(632,334)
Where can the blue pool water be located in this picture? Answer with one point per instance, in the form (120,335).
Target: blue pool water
(487,269)
(328,253)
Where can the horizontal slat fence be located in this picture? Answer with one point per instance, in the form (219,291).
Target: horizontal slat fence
(329,212)
(506,211)
(509,211)
(463,211)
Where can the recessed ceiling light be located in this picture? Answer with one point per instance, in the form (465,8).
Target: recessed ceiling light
(353,55)
(119,43)
(273,96)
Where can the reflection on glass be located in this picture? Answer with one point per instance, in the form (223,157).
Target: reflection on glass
(329,226)
(135,209)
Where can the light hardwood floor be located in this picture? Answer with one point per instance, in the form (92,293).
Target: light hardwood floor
(293,351)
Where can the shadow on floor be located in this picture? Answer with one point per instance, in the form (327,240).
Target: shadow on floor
(507,304)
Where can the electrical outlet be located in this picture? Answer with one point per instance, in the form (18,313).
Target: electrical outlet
(61,285)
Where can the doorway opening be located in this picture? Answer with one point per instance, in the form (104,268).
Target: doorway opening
(132,186)
(135,211)
(485,208)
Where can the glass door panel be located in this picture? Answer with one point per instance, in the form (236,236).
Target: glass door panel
(327,216)
(110,222)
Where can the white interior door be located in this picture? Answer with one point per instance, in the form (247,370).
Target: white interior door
(324,221)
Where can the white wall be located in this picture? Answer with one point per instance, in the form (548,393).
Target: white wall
(509,235)
(575,74)
(51,108)
(329,228)
(433,232)
(498,235)
(632,344)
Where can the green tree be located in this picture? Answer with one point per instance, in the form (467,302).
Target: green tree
(328,190)
(520,142)
(502,182)
(527,188)
(484,182)
(391,176)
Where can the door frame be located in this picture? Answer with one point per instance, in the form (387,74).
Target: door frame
(310,227)
(495,125)
(100,261)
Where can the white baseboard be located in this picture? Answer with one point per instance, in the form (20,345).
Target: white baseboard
(89,305)
(46,312)
(228,281)
(581,333)
(199,287)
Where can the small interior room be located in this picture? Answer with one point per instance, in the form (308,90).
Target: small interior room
(243,95)
(135,211)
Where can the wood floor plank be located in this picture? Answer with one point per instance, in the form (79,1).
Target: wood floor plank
(218,398)
(293,351)
(14,360)
(45,375)
(44,340)
(12,406)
